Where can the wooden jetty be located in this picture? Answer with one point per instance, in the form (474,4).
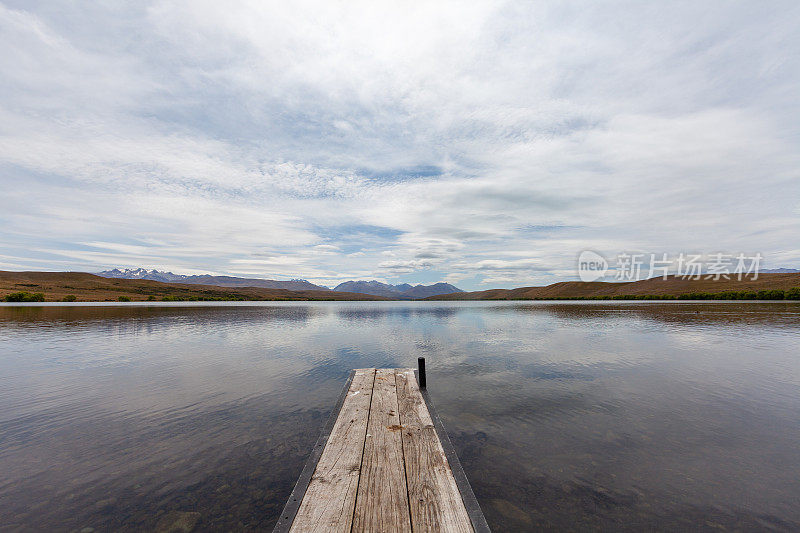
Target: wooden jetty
(383,463)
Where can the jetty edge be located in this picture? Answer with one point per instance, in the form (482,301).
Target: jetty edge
(383,462)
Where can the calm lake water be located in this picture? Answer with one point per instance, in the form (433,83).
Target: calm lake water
(578,415)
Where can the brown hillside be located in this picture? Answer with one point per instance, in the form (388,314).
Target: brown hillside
(672,286)
(90,288)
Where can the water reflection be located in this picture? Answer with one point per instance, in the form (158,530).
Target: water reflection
(382,312)
(581,416)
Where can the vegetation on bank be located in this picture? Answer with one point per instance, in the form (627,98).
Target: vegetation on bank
(172,298)
(40,297)
(83,287)
(241,299)
(777,294)
(790,294)
(24,297)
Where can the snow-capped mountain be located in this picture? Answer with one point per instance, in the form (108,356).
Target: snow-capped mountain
(143,273)
(208,279)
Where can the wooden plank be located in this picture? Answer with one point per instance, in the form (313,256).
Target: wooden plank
(434,499)
(330,499)
(384,463)
(382,502)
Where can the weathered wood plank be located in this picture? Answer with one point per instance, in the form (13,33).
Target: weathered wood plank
(330,499)
(382,502)
(434,498)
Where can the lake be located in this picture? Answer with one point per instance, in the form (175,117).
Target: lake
(566,415)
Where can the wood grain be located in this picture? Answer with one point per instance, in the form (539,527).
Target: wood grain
(383,468)
(382,503)
(330,499)
(434,499)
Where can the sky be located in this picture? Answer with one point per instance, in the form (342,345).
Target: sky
(484,144)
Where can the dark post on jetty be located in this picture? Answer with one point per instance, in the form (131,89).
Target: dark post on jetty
(383,463)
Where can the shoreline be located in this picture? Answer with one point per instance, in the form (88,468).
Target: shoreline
(21,287)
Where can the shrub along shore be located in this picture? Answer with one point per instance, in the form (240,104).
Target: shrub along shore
(84,287)
(39,297)
(790,294)
(24,297)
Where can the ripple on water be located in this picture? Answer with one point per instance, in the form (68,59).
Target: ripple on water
(566,415)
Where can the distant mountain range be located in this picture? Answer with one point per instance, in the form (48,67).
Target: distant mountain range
(404,290)
(84,287)
(779,270)
(207,279)
(375,288)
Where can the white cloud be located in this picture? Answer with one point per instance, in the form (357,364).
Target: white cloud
(361,140)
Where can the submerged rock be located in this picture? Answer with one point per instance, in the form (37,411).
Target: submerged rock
(177,522)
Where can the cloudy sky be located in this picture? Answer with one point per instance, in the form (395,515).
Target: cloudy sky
(484,144)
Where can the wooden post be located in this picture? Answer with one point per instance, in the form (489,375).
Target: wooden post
(421,364)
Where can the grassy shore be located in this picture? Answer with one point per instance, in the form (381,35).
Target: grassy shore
(778,294)
(771,286)
(83,287)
